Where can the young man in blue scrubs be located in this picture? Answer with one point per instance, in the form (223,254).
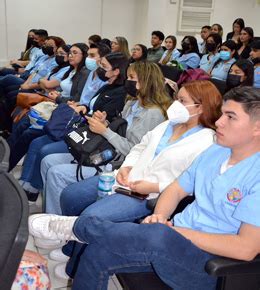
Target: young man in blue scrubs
(224,219)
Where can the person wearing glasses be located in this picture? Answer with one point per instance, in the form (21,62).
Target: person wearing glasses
(138,53)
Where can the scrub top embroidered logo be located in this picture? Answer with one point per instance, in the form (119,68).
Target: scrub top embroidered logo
(234,195)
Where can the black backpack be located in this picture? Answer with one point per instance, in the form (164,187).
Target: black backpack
(83,143)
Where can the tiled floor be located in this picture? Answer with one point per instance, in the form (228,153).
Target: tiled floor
(57,284)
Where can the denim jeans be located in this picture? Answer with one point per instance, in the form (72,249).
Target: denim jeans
(20,141)
(39,148)
(81,199)
(128,247)
(57,173)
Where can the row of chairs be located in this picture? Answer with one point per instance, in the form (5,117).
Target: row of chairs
(13,221)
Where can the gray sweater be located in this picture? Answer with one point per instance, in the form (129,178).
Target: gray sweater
(145,121)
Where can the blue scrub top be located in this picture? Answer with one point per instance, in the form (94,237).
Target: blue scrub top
(164,141)
(220,71)
(43,69)
(257,77)
(91,87)
(189,60)
(223,201)
(207,61)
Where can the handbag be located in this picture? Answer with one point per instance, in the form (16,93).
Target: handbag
(40,114)
(24,102)
(62,120)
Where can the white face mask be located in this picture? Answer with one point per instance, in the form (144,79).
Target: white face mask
(178,114)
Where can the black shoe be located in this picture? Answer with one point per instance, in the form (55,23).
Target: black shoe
(32,196)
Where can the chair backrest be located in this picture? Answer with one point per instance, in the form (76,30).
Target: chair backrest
(4,155)
(13,228)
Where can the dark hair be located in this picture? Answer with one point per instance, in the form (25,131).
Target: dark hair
(216,37)
(193,43)
(42,33)
(143,56)
(248,68)
(58,40)
(106,41)
(102,48)
(66,48)
(95,38)
(230,44)
(120,61)
(159,34)
(255,44)
(248,97)
(28,41)
(240,22)
(84,49)
(250,32)
(206,27)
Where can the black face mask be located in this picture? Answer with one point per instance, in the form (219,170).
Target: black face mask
(101,74)
(60,59)
(130,87)
(48,50)
(233,81)
(35,44)
(185,46)
(211,46)
(255,60)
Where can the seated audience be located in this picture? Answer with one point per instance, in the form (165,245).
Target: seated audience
(226,59)
(138,53)
(223,220)
(156,51)
(212,47)
(109,98)
(237,26)
(23,135)
(120,44)
(217,28)
(189,56)
(171,52)
(145,110)
(241,73)
(246,37)
(204,33)
(255,58)
(163,154)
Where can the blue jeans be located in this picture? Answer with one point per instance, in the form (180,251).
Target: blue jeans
(39,148)
(128,247)
(81,199)
(57,173)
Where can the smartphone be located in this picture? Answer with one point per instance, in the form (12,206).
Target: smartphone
(130,193)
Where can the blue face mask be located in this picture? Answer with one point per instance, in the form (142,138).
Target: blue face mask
(91,63)
(225,55)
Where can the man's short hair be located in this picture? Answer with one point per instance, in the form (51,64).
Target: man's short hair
(159,34)
(255,44)
(42,33)
(206,27)
(103,49)
(248,97)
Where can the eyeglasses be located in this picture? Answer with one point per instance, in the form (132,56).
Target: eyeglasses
(135,49)
(74,53)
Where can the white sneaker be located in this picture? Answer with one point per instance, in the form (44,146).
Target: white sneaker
(48,244)
(59,271)
(52,227)
(57,255)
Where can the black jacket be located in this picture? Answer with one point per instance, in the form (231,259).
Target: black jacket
(111,99)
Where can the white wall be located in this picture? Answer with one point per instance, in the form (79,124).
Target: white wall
(75,20)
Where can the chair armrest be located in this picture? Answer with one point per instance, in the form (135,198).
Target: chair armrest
(226,266)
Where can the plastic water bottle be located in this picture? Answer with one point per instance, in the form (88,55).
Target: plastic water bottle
(106,181)
(101,157)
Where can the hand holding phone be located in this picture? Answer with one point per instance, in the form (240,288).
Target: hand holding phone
(130,193)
